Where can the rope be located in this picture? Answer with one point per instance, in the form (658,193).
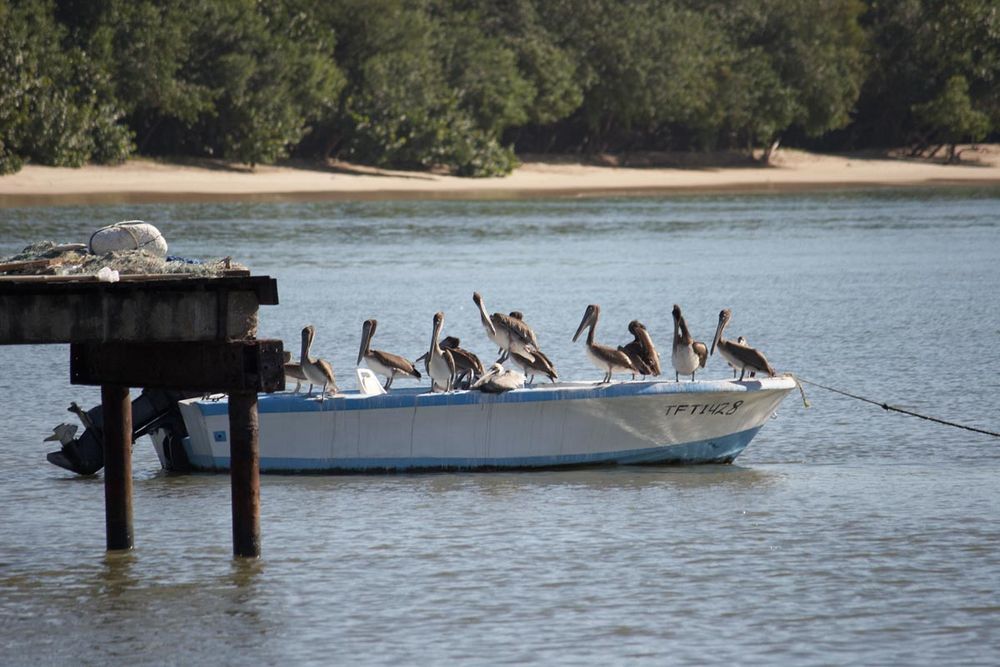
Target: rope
(886,406)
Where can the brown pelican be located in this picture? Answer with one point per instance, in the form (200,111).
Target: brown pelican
(742,341)
(440,363)
(497,380)
(528,331)
(608,359)
(540,364)
(317,371)
(467,365)
(382,363)
(688,354)
(293,372)
(739,356)
(508,333)
(641,351)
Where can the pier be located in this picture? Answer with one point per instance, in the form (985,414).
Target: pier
(168,331)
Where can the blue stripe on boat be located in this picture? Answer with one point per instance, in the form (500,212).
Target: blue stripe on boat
(715,450)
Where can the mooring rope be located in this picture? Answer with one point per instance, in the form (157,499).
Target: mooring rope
(886,406)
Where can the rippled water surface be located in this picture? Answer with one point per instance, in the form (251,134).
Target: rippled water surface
(843,535)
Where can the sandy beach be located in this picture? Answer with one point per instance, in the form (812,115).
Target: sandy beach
(149,180)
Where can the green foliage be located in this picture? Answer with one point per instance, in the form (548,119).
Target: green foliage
(950,116)
(787,63)
(918,47)
(55,107)
(423,91)
(643,64)
(443,83)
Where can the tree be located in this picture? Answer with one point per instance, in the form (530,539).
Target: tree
(644,64)
(950,117)
(788,63)
(918,48)
(56,105)
(411,100)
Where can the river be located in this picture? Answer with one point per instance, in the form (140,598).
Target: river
(843,535)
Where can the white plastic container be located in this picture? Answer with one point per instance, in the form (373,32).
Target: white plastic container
(128,235)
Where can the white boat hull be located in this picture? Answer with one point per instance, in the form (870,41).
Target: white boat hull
(552,425)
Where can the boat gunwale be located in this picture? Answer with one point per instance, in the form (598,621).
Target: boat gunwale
(414,397)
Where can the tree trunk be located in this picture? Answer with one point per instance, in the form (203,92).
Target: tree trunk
(769,151)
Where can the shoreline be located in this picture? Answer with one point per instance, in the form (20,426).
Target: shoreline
(144,180)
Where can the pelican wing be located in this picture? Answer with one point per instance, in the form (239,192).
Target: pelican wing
(465,360)
(702,351)
(543,364)
(539,364)
(517,328)
(613,357)
(390,360)
(749,357)
(650,356)
(636,354)
(294,371)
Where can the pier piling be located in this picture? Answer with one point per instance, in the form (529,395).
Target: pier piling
(117,410)
(244,471)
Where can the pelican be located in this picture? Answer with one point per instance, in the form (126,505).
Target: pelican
(507,332)
(63,433)
(498,379)
(739,356)
(440,363)
(688,354)
(540,364)
(293,372)
(742,341)
(641,351)
(468,367)
(608,359)
(317,371)
(528,331)
(383,363)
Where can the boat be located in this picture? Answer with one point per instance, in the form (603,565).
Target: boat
(567,424)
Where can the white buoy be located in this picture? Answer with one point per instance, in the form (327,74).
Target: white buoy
(128,235)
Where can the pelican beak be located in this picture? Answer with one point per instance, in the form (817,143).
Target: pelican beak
(366,335)
(583,323)
(487,320)
(718,333)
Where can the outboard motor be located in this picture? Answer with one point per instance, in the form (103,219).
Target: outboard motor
(152,409)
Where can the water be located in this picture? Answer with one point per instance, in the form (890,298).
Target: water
(843,535)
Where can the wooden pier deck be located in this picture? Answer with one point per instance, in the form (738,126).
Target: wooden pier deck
(166,331)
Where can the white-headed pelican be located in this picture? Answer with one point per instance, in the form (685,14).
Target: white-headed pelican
(688,354)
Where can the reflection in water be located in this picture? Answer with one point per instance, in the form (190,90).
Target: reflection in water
(842,535)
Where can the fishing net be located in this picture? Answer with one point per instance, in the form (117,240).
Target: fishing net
(70,259)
